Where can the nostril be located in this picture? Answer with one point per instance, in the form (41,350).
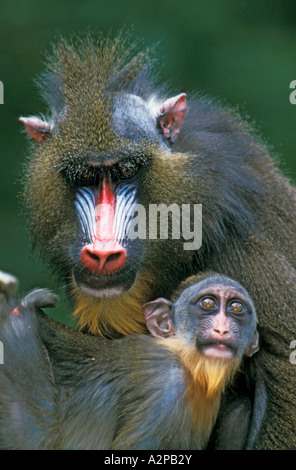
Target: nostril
(104,260)
(114,262)
(221,331)
(113,257)
(94,256)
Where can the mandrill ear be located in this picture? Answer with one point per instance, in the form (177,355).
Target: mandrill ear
(37,129)
(253,346)
(158,315)
(171,116)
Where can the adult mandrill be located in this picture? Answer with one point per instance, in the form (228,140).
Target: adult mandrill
(112,140)
(61,389)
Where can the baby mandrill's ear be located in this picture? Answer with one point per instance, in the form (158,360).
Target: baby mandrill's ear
(158,315)
(253,346)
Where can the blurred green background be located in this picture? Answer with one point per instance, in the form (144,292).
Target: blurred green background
(242,52)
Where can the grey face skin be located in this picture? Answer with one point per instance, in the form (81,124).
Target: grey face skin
(216,314)
(226,326)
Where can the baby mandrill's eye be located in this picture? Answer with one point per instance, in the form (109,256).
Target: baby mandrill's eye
(207,302)
(236,307)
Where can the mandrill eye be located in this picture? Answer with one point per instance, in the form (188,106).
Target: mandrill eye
(87,175)
(207,302)
(127,169)
(237,307)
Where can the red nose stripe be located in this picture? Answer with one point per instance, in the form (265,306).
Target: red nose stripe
(105,211)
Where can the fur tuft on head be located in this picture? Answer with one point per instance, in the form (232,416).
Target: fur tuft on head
(91,70)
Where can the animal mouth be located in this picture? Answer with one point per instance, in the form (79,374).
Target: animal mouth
(218,349)
(109,285)
(101,293)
